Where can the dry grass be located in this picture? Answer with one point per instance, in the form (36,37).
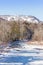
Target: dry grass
(35,42)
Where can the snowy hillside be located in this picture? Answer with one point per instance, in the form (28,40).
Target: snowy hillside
(31,19)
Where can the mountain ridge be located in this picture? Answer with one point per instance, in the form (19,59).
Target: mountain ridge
(33,19)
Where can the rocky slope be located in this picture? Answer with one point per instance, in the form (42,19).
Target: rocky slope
(20,28)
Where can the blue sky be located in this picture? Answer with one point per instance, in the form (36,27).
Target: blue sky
(22,7)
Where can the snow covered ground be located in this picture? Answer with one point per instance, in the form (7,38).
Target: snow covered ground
(27,55)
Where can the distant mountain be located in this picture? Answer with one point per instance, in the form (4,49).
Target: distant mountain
(30,19)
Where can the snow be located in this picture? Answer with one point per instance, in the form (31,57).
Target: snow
(11,63)
(30,19)
(30,48)
(32,54)
(36,63)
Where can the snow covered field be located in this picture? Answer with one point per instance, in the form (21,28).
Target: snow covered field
(27,55)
